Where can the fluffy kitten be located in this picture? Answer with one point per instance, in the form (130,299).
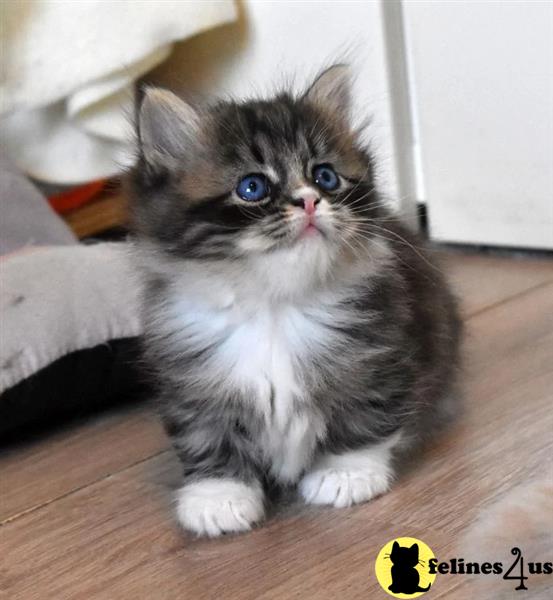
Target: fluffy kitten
(297,335)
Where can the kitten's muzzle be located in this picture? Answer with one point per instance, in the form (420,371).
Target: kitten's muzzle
(308,202)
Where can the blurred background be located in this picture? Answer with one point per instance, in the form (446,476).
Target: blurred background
(460,97)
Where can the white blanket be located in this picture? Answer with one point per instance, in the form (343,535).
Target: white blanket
(68,69)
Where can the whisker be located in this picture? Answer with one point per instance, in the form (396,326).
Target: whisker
(405,242)
(374,239)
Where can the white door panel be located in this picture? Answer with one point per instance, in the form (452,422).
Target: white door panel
(483,92)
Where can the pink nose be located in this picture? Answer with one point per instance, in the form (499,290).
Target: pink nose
(309,202)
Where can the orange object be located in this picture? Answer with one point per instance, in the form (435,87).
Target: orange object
(68,201)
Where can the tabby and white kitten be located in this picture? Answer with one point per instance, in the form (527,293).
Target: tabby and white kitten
(296,334)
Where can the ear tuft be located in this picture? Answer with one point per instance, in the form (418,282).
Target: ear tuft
(168,127)
(332,90)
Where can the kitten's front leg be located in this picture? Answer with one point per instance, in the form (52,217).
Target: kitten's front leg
(214,506)
(351,477)
(222,491)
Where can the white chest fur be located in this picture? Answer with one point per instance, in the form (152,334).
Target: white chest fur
(260,350)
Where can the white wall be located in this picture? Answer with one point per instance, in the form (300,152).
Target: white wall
(484,95)
(277,40)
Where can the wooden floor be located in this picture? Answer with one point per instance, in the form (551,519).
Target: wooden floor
(86,512)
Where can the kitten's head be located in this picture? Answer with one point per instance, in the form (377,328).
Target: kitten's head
(236,180)
(406,556)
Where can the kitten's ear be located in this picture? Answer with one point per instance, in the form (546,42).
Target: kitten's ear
(332,89)
(395,546)
(168,127)
(415,548)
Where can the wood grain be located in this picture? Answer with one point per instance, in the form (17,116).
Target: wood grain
(115,538)
(482,281)
(47,468)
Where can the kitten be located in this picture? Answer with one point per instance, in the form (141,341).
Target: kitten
(297,333)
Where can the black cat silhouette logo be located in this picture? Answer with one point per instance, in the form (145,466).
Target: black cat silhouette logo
(402,568)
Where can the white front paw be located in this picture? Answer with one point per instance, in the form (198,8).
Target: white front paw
(343,488)
(216,506)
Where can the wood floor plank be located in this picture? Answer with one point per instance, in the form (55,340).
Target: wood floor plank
(49,467)
(482,281)
(116,539)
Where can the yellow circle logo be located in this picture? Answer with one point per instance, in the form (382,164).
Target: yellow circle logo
(402,568)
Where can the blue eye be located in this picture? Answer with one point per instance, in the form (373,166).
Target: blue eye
(253,188)
(325,177)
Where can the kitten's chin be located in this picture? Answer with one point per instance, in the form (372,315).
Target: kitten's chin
(311,234)
(255,244)
(311,231)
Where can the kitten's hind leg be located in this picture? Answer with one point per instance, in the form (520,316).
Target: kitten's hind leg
(351,477)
